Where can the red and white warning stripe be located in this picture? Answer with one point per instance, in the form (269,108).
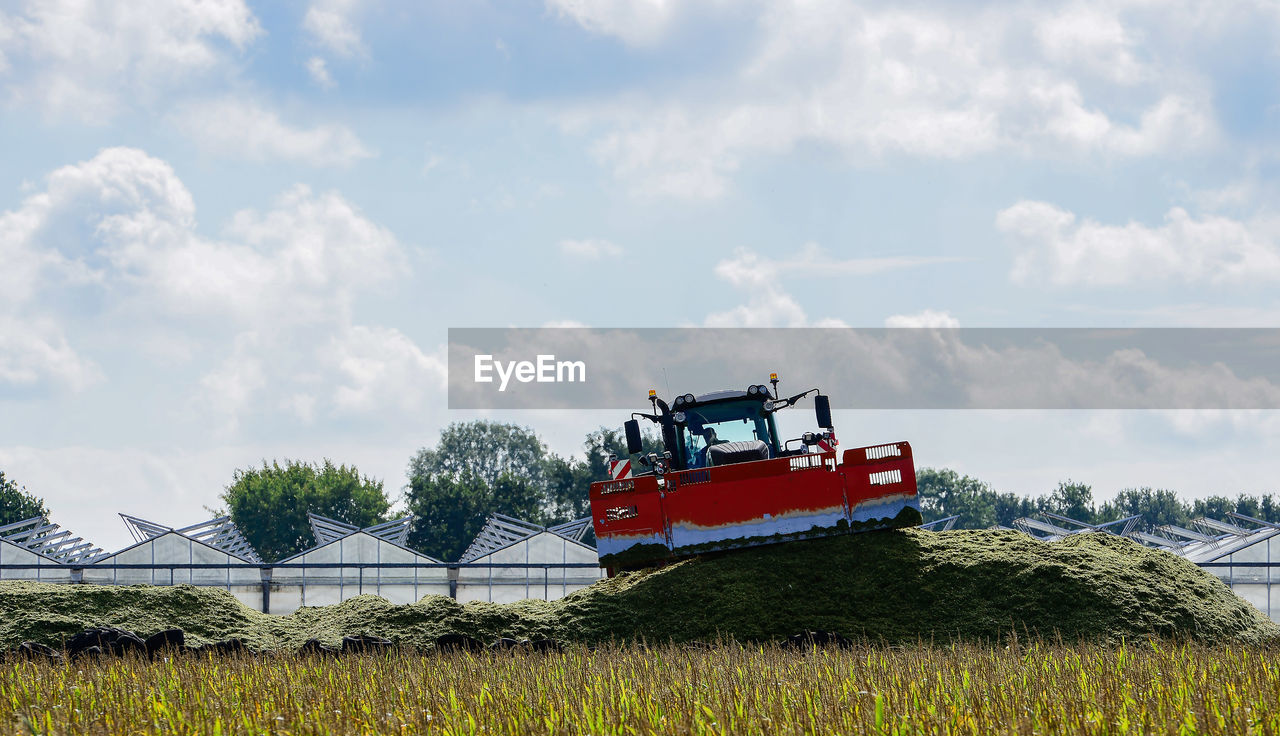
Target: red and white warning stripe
(828,443)
(619,469)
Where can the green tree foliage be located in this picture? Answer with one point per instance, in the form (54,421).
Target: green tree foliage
(1074,500)
(483,450)
(1156,507)
(445,510)
(476,469)
(568,484)
(16,503)
(483,467)
(270,504)
(569,481)
(604,442)
(1010,506)
(946,493)
(1215,506)
(1249,505)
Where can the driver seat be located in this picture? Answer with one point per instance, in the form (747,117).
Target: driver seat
(730,453)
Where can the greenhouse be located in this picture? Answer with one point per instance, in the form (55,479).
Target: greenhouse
(348,561)
(36,549)
(211,553)
(511,559)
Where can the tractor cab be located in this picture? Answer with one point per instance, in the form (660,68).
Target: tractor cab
(724,428)
(727,428)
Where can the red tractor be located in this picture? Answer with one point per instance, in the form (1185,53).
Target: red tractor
(726,481)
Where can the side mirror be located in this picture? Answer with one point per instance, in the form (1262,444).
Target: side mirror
(632,428)
(822,407)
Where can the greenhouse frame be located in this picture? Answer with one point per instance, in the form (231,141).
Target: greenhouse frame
(510,560)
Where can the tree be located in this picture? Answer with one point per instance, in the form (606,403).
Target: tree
(1156,507)
(482,449)
(1010,506)
(1269,509)
(1216,507)
(476,469)
(481,468)
(1249,506)
(447,513)
(607,441)
(1070,499)
(945,492)
(569,481)
(569,485)
(17,504)
(270,504)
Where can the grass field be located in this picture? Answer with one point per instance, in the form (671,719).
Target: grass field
(1140,687)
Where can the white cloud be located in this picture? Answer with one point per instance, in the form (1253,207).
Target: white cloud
(334,370)
(86,57)
(746,268)
(1190,314)
(319,71)
(590,249)
(117,189)
(636,22)
(927,318)
(957,369)
(47,246)
(320,248)
(1094,38)
(1125,378)
(242,129)
(85,488)
(35,353)
(230,390)
(332,24)
(936,83)
(947,368)
(6,39)
(1053,245)
(273,298)
(303,406)
(382,369)
(431,161)
(125,218)
(770,305)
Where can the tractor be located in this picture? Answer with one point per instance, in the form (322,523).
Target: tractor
(725,480)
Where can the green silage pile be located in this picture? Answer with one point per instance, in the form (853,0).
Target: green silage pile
(899,586)
(910,585)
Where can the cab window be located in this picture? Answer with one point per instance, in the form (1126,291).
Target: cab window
(735,421)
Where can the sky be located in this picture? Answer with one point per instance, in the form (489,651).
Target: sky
(233,231)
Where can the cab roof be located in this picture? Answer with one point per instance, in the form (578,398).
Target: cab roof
(727,393)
